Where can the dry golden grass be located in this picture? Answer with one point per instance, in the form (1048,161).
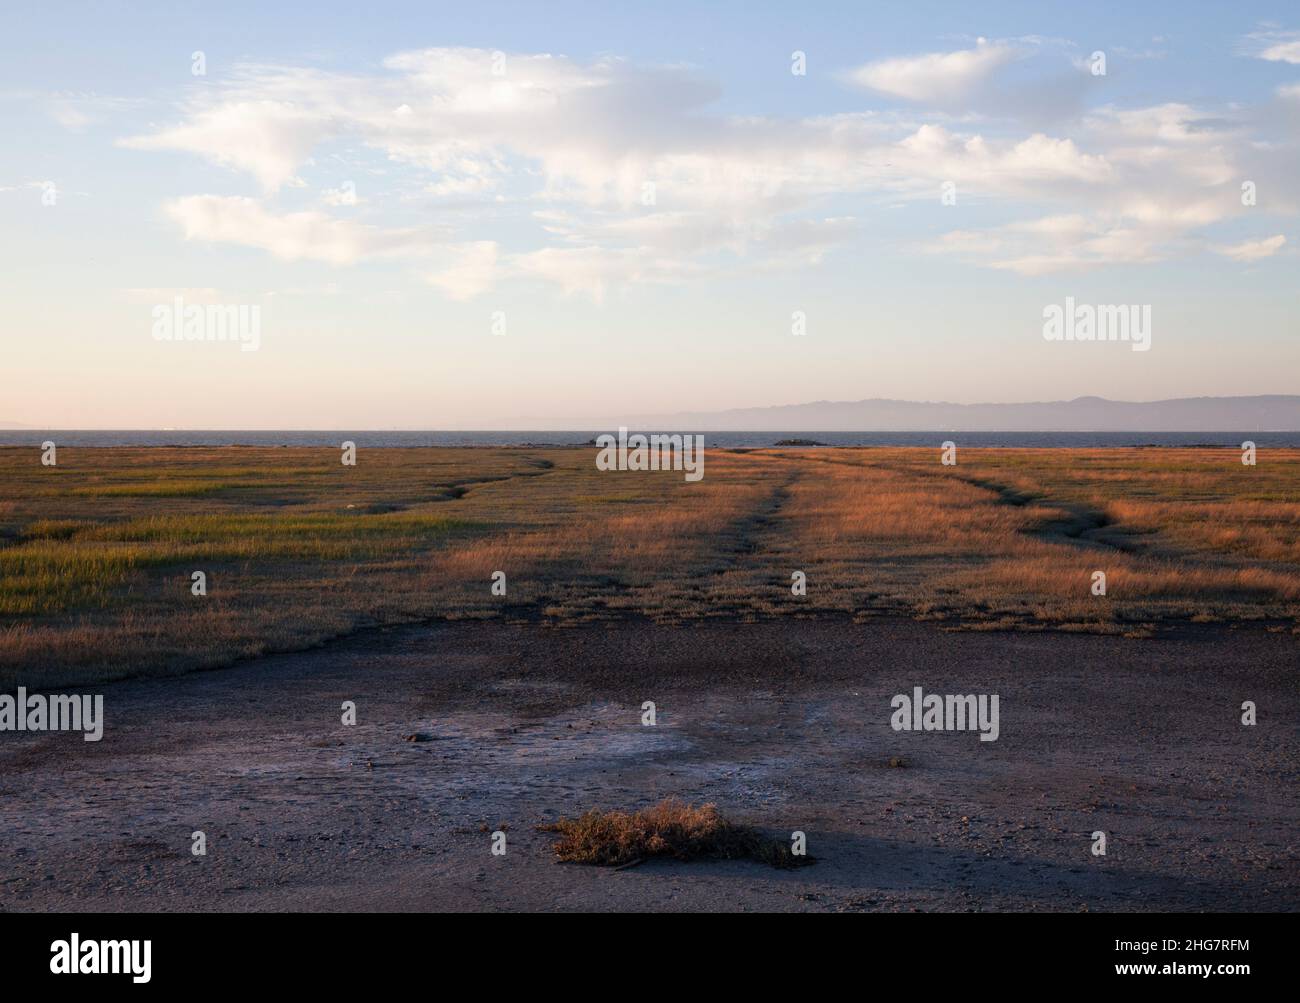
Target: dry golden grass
(96,553)
(1013,536)
(668,829)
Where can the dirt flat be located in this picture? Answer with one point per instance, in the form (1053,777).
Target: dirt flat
(783,725)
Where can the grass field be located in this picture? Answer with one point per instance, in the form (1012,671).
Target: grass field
(96,553)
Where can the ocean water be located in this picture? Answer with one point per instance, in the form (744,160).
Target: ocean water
(720,440)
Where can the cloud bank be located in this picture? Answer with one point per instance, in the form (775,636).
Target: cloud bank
(622,174)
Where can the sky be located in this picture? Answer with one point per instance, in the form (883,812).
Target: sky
(493,215)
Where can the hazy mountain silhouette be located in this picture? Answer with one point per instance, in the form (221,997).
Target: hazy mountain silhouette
(1266,413)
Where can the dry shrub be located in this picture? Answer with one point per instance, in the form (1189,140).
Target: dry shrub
(668,829)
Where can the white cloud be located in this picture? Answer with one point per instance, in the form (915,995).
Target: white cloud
(1000,167)
(345,194)
(1275,46)
(1253,250)
(267,138)
(473,272)
(937,78)
(1140,233)
(471,185)
(618,173)
(310,236)
(1285,52)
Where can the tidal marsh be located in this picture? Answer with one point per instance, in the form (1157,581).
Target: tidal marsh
(96,553)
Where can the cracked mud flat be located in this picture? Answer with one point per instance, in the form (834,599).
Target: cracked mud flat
(783,725)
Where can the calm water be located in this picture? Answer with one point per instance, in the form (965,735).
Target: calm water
(70,437)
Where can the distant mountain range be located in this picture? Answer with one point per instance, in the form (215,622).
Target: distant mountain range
(1268,413)
(1265,413)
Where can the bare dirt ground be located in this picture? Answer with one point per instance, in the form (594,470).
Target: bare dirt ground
(784,725)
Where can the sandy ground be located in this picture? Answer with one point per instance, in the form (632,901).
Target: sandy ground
(783,725)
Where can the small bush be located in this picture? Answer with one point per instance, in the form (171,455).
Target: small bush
(668,829)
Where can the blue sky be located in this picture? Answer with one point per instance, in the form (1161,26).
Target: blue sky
(645,198)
